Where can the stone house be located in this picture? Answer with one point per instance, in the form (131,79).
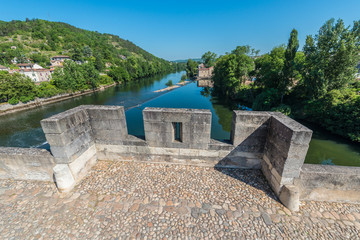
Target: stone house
(204,72)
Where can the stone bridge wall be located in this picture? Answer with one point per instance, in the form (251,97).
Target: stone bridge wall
(268,141)
(26,164)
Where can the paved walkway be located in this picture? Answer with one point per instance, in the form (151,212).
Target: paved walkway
(120,200)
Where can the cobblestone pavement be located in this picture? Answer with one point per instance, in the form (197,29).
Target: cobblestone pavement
(123,200)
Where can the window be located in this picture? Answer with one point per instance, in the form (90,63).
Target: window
(177,126)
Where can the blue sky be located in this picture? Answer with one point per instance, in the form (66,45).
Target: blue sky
(183,29)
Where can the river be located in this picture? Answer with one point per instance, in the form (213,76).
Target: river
(22,129)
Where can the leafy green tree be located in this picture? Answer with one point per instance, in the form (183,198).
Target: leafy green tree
(169,83)
(15,86)
(87,52)
(91,75)
(331,58)
(231,71)
(70,77)
(191,68)
(289,69)
(267,100)
(269,68)
(209,59)
(119,74)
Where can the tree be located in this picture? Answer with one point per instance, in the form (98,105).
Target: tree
(245,50)
(91,75)
(209,59)
(289,68)
(331,58)
(231,71)
(169,83)
(87,52)
(70,77)
(191,68)
(16,86)
(269,68)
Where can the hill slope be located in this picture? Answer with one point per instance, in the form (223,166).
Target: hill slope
(39,40)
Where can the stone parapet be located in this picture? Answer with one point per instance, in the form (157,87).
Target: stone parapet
(287,143)
(268,141)
(329,183)
(193,127)
(26,164)
(249,130)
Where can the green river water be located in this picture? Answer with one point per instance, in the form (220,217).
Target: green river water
(23,129)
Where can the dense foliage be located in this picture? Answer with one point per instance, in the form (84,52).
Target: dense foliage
(16,86)
(209,59)
(191,68)
(317,84)
(231,71)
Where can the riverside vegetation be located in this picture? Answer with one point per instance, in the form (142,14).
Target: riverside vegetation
(39,40)
(317,84)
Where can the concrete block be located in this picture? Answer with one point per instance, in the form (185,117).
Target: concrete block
(109,135)
(290,197)
(99,112)
(65,181)
(164,151)
(26,164)
(208,153)
(69,153)
(80,166)
(62,122)
(111,124)
(188,152)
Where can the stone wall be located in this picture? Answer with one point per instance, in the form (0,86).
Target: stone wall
(249,130)
(72,136)
(268,141)
(287,143)
(329,183)
(194,124)
(26,164)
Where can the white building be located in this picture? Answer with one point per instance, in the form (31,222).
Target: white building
(36,75)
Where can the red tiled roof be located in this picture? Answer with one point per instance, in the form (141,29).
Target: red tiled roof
(32,70)
(2,67)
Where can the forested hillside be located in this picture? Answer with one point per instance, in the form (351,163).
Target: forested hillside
(39,40)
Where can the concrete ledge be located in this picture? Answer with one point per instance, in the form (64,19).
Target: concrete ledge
(26,164)
(196,157)
(329,183)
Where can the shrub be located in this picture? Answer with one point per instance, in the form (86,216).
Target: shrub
(46,89)
(25,99)
(13,101)
(266,100)
(183,78)
(105,80)
(283,108)
(169,83)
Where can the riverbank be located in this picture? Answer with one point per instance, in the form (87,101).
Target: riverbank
(7,108)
